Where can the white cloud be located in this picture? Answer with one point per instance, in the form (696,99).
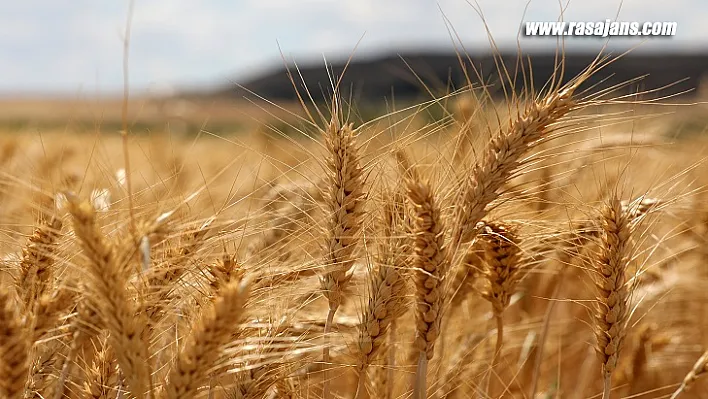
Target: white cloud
(73,45)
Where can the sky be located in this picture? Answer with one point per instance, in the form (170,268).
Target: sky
(77,47)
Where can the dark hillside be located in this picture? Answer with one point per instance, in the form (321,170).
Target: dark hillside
(374,79)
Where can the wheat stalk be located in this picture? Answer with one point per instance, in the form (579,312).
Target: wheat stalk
(346,205)
(699,369)
(386,298)
(119,315)
(613,294)
(503,155)
(503,270)
(215,328)
(431,264)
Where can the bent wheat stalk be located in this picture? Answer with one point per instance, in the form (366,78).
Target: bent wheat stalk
(504,155)
(699,369)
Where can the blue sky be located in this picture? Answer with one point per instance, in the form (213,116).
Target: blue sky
(75,47)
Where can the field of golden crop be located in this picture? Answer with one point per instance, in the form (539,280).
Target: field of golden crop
(549,246)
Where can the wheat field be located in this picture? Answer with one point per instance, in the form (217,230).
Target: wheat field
(551,245)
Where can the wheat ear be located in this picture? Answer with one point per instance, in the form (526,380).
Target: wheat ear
(163,278)
(346,205)
(36,267)
(215,329)
(502,269)
(504,155)
(223,272)
(386,300)
(613,294)
(83,328)
(101,377)
(14,349)
(431,264)
(48,309)
(118,314)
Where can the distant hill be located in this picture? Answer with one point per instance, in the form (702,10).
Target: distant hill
(372,80)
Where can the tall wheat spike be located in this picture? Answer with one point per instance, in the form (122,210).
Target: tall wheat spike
(118,314)
(613,293)
(431,264)
(345,198)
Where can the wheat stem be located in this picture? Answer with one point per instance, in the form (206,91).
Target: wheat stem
(699,369)
(607,386)
(421,372)
(544,335)
(360,385)
(325,352)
